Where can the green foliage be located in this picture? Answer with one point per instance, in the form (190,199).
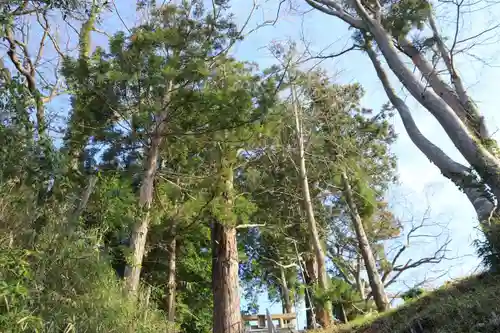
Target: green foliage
(404,15)
(488,248)
(59,281)
(412,294)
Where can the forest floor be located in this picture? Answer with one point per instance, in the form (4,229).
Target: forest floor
(468,305)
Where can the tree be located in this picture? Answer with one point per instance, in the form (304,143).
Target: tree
(324,313)
(376,284)
(387,25)
(359,146)
(151,80)
(272,262)
(26,63)
(176,157)
(241,100)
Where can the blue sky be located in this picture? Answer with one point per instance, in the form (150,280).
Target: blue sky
(422,188)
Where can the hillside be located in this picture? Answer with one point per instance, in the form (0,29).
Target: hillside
(469,305)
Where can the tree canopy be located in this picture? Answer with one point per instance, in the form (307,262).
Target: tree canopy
(177,177)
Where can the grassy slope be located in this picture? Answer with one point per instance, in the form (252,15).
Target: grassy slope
(469,305)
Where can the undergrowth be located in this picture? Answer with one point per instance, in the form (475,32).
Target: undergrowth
(53,281)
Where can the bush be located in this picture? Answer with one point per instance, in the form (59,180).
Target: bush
(66,284)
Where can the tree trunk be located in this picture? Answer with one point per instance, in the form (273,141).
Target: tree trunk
(325,311)
(82,203)
(311,280)
(286,300)
(376,284)
(360,283)
(483,161)
(285,292)
(171,282)
(459,174)
(225,267)
(227,315)
(340,313)
(140,230)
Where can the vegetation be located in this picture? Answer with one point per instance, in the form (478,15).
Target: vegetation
(472,303)
(150,179)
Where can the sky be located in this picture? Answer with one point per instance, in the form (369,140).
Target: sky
(422,191)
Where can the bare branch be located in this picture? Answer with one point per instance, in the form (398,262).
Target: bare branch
(331,56)
(496,26)
(331,7)
(247,226)
(456,80)
(281,265)
(46,29)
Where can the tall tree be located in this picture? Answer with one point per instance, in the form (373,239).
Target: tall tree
(358,146)
(387,25)
(242,100)
(374,278)
(154,74)
(324,313)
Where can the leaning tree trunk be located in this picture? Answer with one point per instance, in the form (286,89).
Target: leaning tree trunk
(360,283)
(451,107)
(459,174)
(225,283)
(378,290)
(324,312)
(286,299)
(140,229)
(486,164)
(83,201)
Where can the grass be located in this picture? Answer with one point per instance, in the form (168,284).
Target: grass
(469,305)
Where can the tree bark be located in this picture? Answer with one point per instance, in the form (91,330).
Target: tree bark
(225,283)
(360,283)
(286,300)
(324,313)
(171,282)
(140,229)
(378,290)
(227,315)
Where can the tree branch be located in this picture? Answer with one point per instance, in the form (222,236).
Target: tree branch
(247,226)
(331,7)
(459,174)
(333,55)
(281,265)
(28,73)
